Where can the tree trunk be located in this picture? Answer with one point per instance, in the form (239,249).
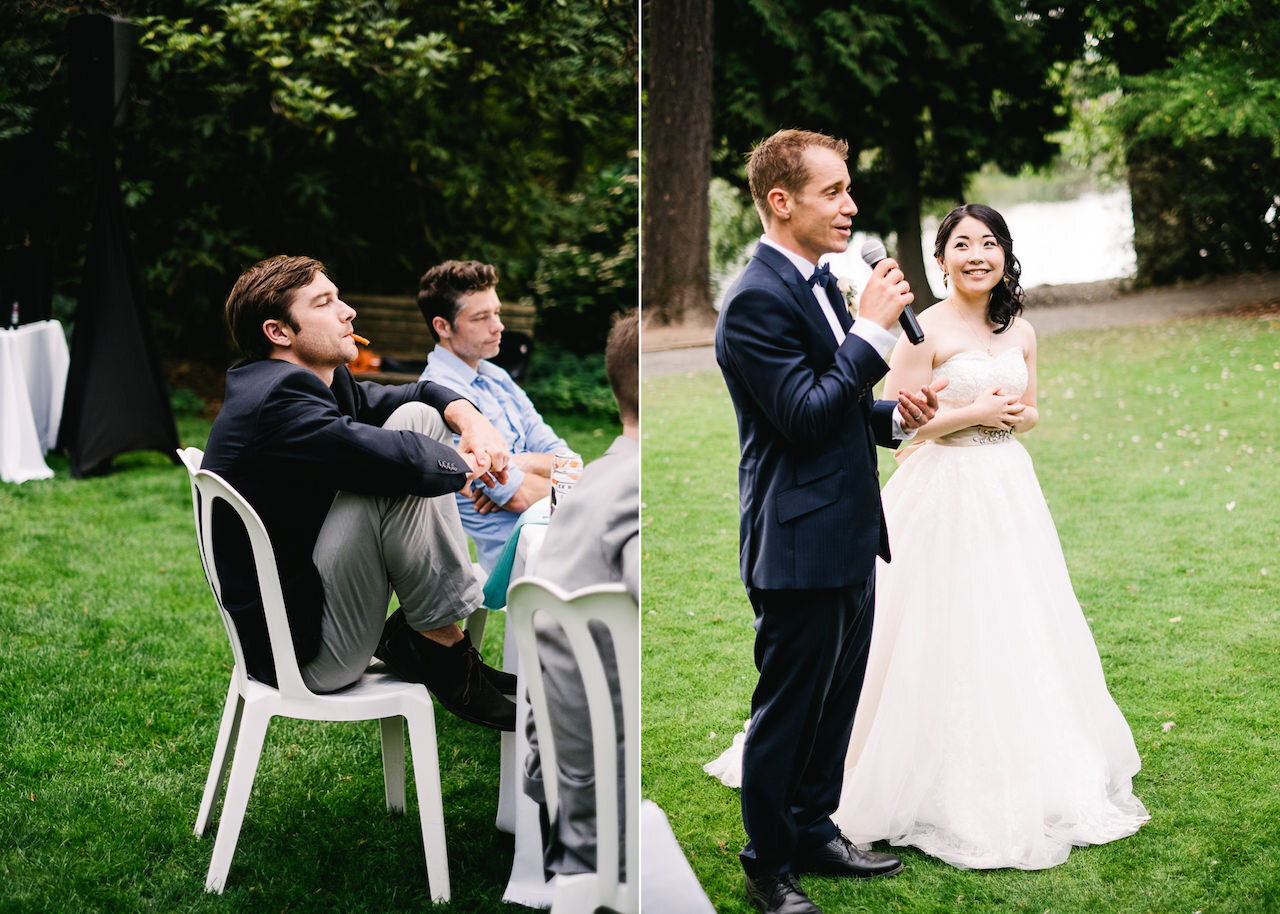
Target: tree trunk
(905,171)
(675,254)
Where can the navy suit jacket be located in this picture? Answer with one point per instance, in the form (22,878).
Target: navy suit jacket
(287,444)
(809,490)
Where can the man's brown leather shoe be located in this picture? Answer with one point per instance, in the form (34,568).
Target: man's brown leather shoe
(780,894)
(840,858)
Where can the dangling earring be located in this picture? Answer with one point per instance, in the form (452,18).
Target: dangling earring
(1006,280)
(944,280)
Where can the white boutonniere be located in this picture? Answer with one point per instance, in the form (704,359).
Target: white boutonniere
(849,289)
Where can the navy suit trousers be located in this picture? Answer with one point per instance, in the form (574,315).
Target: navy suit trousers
(811,650)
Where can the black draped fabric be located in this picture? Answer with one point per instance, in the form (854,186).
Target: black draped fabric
(116,399)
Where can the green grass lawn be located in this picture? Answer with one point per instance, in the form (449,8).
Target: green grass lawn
(113,671)
(1157,452)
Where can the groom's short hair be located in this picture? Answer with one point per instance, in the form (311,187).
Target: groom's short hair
(778,161)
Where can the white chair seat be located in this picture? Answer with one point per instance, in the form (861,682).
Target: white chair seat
(251,704)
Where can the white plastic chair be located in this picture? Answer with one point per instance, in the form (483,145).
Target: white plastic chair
(610,604)
(251,704)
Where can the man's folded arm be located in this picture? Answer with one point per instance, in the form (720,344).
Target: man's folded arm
(304,426)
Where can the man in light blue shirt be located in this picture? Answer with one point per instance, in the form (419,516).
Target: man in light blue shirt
(461,306)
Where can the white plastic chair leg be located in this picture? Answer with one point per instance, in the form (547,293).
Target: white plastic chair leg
(426,777)
(228,731)
(253,731)
(393,762)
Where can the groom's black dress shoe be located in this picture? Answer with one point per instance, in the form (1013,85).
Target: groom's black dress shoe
(840,858)
(779,894)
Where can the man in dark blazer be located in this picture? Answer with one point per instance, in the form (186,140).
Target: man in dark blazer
(354,483)
(800,373)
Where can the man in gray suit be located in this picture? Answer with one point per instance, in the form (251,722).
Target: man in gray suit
(593,538)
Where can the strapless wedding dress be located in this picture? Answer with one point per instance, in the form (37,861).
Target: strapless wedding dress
(985,734)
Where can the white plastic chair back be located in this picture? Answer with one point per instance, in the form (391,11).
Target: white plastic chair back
(191,458)
(577,613)
(210,487)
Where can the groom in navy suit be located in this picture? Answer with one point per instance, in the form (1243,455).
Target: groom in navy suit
(800,373)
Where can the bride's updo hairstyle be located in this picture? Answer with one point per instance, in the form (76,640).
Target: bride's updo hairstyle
(1007,296)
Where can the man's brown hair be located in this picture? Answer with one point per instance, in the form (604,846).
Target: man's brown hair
(622,364)
(778,161)
(264,292)
(441,288)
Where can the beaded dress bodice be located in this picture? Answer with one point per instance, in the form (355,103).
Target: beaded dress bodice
(973,372)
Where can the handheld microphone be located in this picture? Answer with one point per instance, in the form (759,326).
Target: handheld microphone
(873,252)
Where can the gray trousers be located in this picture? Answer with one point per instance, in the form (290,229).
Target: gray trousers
(570,842)
(373,545)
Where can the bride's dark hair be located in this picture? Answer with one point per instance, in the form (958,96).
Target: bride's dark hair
(1006,298)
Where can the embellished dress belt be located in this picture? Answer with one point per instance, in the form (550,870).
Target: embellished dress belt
(972,436)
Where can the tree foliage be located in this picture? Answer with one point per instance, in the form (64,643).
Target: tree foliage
(381,136)
(591,275)
(1198,107)
(924,96)
(1220,77)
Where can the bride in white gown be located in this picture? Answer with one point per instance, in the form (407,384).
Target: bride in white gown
(985,734)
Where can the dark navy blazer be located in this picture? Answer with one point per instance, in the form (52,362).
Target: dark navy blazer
(809,492)
(287,444)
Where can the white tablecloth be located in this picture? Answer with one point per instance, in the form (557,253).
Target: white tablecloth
(33,378)
(526,885)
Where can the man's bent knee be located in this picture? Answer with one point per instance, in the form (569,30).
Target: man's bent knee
(421,418)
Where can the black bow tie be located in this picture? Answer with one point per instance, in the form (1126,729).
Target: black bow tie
(822,275)
(831,285)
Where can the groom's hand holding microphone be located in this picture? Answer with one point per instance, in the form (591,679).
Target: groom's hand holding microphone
(875,256)
(886,294)
(886,301)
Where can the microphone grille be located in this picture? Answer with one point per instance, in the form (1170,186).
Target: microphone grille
(873,251)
